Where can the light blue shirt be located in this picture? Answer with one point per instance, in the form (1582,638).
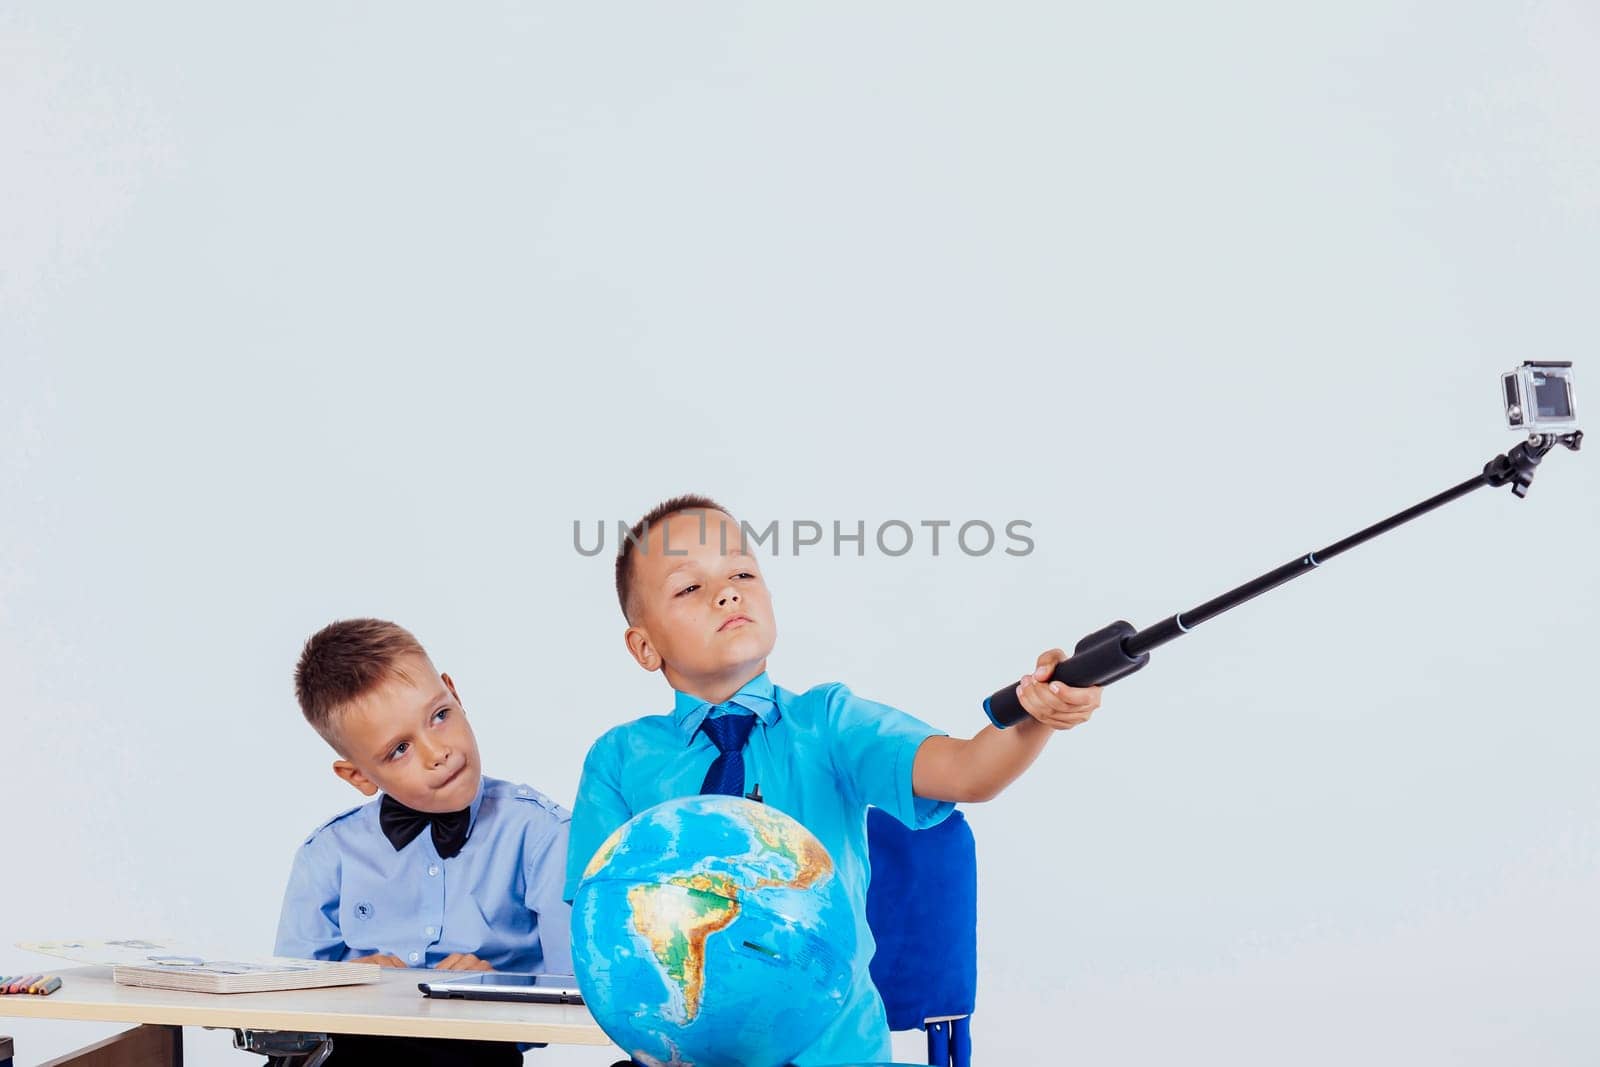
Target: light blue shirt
(352,894)
(822,756)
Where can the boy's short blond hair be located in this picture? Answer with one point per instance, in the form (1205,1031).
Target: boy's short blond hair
(639,533)
(345,661)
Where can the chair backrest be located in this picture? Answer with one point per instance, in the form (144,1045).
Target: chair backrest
(922,906)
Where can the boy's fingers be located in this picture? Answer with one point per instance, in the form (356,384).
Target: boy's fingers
(1088,696)
(1038,701)
(1057,696)
(1066,718)
(382,959)
(1047,662)
(1058,706)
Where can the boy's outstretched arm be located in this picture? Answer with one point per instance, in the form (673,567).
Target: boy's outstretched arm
(949,768)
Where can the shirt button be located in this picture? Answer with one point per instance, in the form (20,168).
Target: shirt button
(523,791)
(415,957)
(433,871)
(430,930)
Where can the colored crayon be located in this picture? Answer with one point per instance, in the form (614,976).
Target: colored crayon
(50,986)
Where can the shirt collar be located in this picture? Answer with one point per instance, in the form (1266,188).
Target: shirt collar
(757,696)
(477,802)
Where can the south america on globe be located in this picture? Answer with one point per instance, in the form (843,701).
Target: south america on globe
(713,931)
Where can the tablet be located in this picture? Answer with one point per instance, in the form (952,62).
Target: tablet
(538,988)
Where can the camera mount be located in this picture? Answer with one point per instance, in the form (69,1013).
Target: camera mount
(1517,466)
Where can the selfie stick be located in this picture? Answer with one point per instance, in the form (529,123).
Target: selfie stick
(1118,650)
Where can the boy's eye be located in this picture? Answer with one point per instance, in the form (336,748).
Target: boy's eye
(399,750)
(744,574)
(686,589)
(441,715)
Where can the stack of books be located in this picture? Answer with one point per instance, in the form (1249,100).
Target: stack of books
(165,965)
(244,976)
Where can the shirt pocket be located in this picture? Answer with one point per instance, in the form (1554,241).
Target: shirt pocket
(384,915)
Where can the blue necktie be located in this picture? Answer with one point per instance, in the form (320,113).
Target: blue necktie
(728,733)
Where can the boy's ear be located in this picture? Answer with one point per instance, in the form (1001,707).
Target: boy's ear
(451,685)
(639,647)
(352,774)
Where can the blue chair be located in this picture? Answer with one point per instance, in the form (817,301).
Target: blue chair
(922,906)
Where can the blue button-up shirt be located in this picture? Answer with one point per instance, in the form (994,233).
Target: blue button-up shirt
(352,894)
(822,756)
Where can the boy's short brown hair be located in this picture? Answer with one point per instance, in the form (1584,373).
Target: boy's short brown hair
(639,533)
(344,661)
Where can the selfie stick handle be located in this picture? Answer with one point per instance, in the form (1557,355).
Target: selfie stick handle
(1118,650)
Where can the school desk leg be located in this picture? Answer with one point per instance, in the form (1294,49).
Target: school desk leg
(143,1046)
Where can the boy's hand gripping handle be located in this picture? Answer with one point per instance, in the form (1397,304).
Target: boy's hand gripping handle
(1098,659)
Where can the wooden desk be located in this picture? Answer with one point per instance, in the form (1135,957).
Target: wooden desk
(392,1007)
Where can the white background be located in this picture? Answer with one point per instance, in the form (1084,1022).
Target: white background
(312,311)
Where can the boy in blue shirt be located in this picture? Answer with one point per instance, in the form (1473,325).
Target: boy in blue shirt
(699,612)
(450,869)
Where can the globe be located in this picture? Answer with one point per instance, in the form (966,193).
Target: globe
(712,931)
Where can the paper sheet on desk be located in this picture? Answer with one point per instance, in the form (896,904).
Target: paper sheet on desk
(128,952)
(166,965)
(134,952)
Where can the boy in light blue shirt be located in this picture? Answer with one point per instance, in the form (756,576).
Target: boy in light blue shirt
(449,869)
(699,612)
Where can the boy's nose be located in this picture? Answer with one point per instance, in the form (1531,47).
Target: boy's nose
(729,596)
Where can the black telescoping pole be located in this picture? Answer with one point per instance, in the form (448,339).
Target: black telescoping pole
(1118,650)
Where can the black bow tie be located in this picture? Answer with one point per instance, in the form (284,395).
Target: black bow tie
(401,825)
